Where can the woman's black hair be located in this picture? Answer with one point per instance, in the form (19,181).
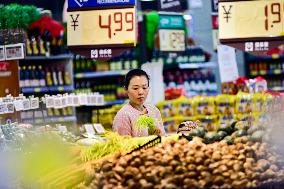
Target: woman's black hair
(133,73)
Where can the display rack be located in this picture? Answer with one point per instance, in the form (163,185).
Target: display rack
(271,67)
(53,57)
(88,75)
(51,89)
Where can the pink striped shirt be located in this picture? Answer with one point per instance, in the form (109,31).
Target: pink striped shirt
(126,117)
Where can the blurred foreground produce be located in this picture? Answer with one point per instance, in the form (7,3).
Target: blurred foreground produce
(183,164)
(116,143)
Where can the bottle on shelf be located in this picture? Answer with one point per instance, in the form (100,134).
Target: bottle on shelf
(27,76)
(54,77)
(60,77)
(28,47)
(49,78)
(42,81)
(42,50)
(34,46)
(35,76)
(67,78)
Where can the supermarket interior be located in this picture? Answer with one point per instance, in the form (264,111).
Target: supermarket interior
(158,94)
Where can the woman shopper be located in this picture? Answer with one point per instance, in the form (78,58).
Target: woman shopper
(137,87)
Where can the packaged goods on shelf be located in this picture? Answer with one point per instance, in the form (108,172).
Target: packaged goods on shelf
(214,111)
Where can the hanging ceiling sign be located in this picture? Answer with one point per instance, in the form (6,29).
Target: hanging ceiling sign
(100,33)
(170,5)
(87,4)
(252,26)
(214,5)
(171,33)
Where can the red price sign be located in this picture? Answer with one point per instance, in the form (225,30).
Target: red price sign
(102,27)
(248,19)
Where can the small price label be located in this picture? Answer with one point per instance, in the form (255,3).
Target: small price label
(58,102)
(172,40)
(14,51)
(99,128)
(27,104)
(49,101)
(3,108)
(100,99)
(19,106)
(64,101)
(83,99)
(34,103)
(69,101)
(90,130)
(10,107)
(76,101)
(2,53)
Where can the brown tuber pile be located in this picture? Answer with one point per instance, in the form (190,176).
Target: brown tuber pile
(183,164)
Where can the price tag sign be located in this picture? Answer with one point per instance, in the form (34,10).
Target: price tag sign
(2,53)
(14,51)
(102,27)
(49,101)
(172,40)
(10,107)
(99,128)
(70,100)
(83,99)
(76,101)
(252,26)
(57,102)
(170,5)
(34,103)
(64,101)
(3,108)
(19,106)
(26,104)
(90,130)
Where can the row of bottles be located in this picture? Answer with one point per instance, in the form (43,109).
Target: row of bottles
(82,64)
(43,46)
(272,84)
(197,80)
(37,76)
(110,91)
(263,68)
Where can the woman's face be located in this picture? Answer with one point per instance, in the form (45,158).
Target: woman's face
(138,90)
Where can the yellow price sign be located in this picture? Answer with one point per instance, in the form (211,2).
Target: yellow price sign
(102,27)
(172,40)
(250,19)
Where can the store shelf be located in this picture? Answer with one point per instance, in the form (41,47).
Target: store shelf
(50,120)
(264,58)
(115,102)
(100,74)
(51,89)
(267,73)
(278,89)
(53,57)
(198,65)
